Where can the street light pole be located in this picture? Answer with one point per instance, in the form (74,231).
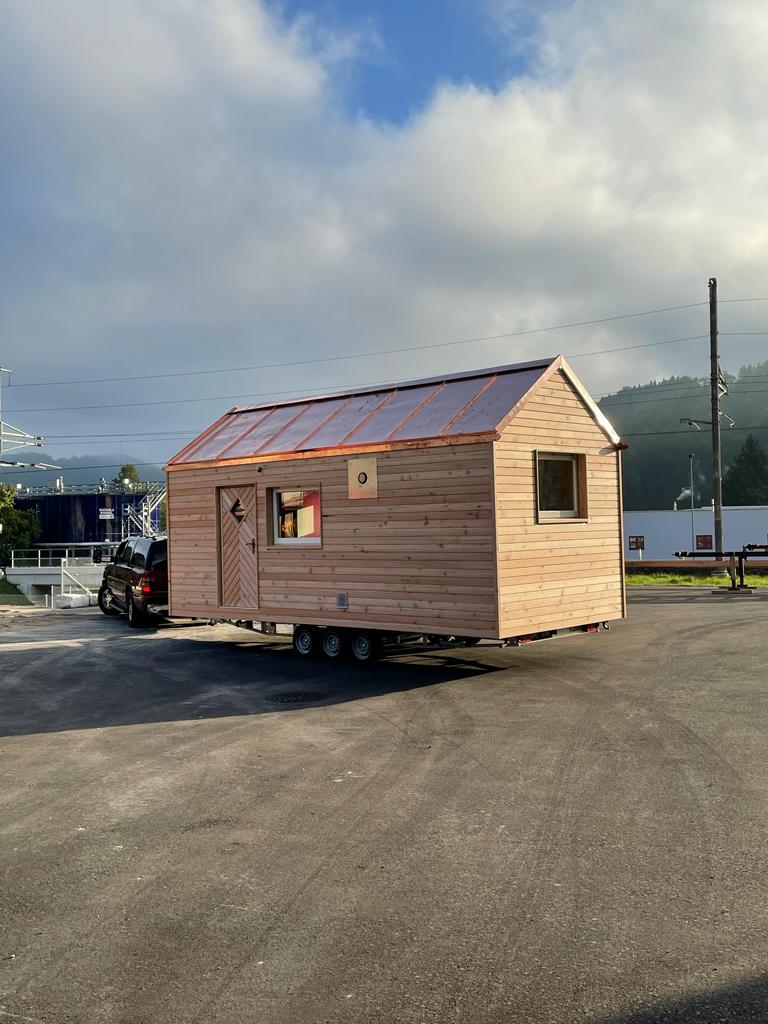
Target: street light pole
(693,524)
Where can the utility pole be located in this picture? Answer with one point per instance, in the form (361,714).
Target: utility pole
(693,520)
(718,388)
(2,371)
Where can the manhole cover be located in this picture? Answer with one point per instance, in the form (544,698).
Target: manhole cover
(299,697)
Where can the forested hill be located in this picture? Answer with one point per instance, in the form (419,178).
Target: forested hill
(647,416)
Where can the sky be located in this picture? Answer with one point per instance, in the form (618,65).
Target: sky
(234,200)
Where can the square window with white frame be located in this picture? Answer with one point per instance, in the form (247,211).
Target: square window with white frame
(560,486)
(296,517)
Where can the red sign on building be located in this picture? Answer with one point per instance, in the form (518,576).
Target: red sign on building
(703,541)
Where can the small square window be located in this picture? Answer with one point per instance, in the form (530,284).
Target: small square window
(560,486)
(296,517)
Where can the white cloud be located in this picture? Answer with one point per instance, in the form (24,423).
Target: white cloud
(185,189)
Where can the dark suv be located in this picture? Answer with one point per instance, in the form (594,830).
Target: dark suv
(136,580)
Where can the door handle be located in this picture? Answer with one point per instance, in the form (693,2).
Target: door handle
(253,545)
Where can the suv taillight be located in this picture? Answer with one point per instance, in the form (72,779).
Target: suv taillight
(145,585)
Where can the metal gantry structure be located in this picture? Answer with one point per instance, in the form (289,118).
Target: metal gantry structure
(142,519)
(14,439)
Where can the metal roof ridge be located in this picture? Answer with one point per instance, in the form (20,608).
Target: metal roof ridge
(402,385)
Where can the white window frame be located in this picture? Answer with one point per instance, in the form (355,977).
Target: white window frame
(579,511)
(294,542)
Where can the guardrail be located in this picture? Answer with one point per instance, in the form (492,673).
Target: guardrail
(54,557)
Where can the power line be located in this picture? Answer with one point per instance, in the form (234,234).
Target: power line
(677,398)
(648,433)
(186,401)
(304,390)
(151,435)
(691,383)
(666,433)
(361,355)
(628,348)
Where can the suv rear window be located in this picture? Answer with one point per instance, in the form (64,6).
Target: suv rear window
(140,552)
(158,555)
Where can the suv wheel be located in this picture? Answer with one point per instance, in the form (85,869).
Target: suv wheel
(136,619)
(105,602)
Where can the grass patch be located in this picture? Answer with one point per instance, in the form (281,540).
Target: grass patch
(675,579)
(9,594)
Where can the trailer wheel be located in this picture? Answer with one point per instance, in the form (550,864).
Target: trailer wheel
(365,647)
(305,641)
(469,641)
(333,643)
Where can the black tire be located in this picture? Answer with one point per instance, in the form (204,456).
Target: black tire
(333,643)
(305,642)
(469,641)
(136,619)
(105,602)
(365,647)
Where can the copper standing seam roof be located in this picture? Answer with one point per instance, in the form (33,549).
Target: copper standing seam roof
(439,407)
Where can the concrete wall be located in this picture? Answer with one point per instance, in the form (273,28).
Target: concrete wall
(39,585)
(667,531)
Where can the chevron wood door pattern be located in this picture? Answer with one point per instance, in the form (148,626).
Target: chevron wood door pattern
(238,548)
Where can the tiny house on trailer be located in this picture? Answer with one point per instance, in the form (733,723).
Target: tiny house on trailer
(483,505)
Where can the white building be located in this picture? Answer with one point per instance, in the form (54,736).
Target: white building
(666,531)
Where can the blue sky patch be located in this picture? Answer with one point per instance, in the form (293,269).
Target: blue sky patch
(415,45)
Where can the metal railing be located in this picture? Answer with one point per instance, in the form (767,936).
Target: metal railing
(41,490)
(68,578)
(58,556)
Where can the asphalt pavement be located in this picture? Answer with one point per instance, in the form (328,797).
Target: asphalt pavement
(195,826)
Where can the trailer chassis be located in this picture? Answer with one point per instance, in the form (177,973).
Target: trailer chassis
(367,645)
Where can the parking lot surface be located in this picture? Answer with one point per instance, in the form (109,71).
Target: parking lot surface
(573,831)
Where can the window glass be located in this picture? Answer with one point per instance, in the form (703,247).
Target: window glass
(297,517)
(118,555)
(158,555)
(558,486)
(125,558)
(139,557)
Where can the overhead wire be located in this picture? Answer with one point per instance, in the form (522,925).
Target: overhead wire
(302,391)
(361,355)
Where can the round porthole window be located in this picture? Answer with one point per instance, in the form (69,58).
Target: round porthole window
(362,478)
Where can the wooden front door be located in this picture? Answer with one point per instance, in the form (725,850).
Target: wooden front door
(238,548)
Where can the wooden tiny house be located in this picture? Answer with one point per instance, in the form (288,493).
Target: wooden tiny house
(484,504)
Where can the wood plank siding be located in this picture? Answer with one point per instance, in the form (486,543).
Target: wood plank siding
(562,573)
(419,557)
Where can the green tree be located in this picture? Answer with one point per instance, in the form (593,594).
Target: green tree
(746,480)
(127,472)
(19,529)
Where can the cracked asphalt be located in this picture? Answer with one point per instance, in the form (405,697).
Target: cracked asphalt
(573,831)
